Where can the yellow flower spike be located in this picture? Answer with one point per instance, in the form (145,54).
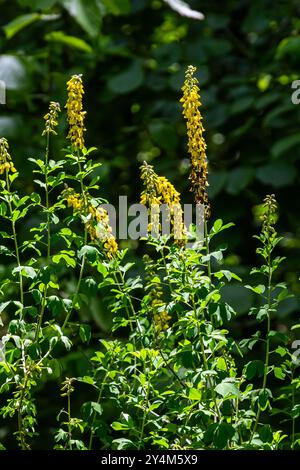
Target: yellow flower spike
(97,225)
(160,316)
(158,190)
(51,118)
(196,142)
(6,163)
(76,115)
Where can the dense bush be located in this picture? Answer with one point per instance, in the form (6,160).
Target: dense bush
(168,374)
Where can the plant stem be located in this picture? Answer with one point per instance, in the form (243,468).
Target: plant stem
(15,238)
(43,305)
(206,238)
(78,284)
(98,401)
(69,422)
(145,412)
(293,418)
(21,431)
(267,356)
(85,242)
(206,367)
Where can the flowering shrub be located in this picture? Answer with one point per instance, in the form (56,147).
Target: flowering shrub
(170,374)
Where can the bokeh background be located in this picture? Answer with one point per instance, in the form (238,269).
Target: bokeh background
(133,54)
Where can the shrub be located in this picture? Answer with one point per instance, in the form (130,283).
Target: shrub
(169,375)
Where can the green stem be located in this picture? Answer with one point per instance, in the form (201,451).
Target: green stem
(293,419)
(144,414)
(206,367)
(21,430)
(44,302)
(267,356)
(15,238)
(78,283)
(85,241)
(69,422)
(98,401)
(206,238)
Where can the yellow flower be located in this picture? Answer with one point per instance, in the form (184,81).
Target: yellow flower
(51,118)
(160,315)
(158,190)
(6,164)
(97,225)
(74,200)
(161,320)
(76,115)
(196,142)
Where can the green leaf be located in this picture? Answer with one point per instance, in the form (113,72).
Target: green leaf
(265,433)
(260,289)
(5,251)
(277,174)
(97,407)
(90,252)
(282,146)
(254,368)
(123,443)
(88,14)
(289,47)
(238,179)
(3,208)
(263,398)
(26,271)
(85,333)
(279,373)
(117,7)
(70,41)
(3,306)
(195,394)
(222,435)
(227,390)
(217,225)
(163,134)
(19,23)
(66,256)
(102,269)
(129,80)
(296,411)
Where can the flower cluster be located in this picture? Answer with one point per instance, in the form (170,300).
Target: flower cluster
(158,190)
(99,228)
(74,200)
(76,115)
(97,220)
(6,163)
(269,215)
(51,118)
(196,142)
(160,315)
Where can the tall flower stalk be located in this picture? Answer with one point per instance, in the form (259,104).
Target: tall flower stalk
(196,147)
(50,126)
(7,167)
(96,220)
(268,239)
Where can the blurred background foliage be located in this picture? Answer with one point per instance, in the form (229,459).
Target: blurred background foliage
(133,54)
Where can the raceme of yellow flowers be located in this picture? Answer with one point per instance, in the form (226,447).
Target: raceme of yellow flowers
(51,118)
(76,115)
(158,190)
(97,225)
(160,315)
(6,164)
(196,142)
